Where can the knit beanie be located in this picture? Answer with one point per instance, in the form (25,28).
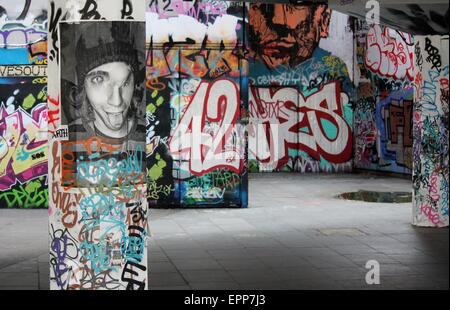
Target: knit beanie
(102,42)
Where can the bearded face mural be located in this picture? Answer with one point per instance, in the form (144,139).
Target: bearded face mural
(286,34)
(301,93)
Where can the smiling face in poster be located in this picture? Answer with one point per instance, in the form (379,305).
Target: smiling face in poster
(109,89)
(103,86)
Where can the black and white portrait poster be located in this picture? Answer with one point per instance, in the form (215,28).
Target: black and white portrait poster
(98,212)
(102,91)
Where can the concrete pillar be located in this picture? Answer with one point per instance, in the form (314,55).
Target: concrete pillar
(98,214)
(430,132)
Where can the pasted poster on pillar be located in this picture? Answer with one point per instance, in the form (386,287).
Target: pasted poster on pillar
(196,94)
(97,173)
(430,132)
(383,109)
(23,108)
(301,92)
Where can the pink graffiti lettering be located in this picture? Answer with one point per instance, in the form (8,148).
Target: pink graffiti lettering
(171,8)
(389,56)
(434,190)
(53,113)
(23,145)
(432,216)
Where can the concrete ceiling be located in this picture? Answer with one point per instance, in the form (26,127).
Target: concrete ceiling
(416,17)
(412,16)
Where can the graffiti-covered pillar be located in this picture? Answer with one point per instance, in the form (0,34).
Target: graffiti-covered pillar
(431,145)
(197,80)
(96,125)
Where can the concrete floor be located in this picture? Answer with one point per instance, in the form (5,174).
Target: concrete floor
(294,235)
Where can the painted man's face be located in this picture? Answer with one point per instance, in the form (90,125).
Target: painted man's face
(286,34)
(109,89)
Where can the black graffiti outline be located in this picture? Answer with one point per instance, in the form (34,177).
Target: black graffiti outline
(86,13)
(434,58)
(53,29)
(127,10)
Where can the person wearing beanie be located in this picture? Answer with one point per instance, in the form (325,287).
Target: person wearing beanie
(103,75)
(107,98)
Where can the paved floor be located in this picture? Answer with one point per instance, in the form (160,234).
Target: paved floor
(294,235)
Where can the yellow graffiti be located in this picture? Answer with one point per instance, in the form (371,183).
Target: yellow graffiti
(337,67)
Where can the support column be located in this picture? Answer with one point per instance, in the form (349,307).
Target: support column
(430,133)
(96,126)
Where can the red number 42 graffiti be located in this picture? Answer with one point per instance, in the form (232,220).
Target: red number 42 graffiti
(207,136)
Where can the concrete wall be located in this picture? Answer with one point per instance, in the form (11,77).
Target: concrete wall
(98,212)
(196,103)
(294,85)
(383,110)
(430,132)
(23,110)
(301,92)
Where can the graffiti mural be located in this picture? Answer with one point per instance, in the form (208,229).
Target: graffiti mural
(23,97)
(23,144)
(390,57)
(430,132)
(196,81)
(23,31)
(96,129)
(198,140)
(198,21)
(315,125)
(383,110)
(301,92)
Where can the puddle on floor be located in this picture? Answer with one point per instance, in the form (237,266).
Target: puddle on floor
(371,196)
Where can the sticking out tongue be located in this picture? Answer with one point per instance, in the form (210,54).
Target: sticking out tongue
(116,119)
